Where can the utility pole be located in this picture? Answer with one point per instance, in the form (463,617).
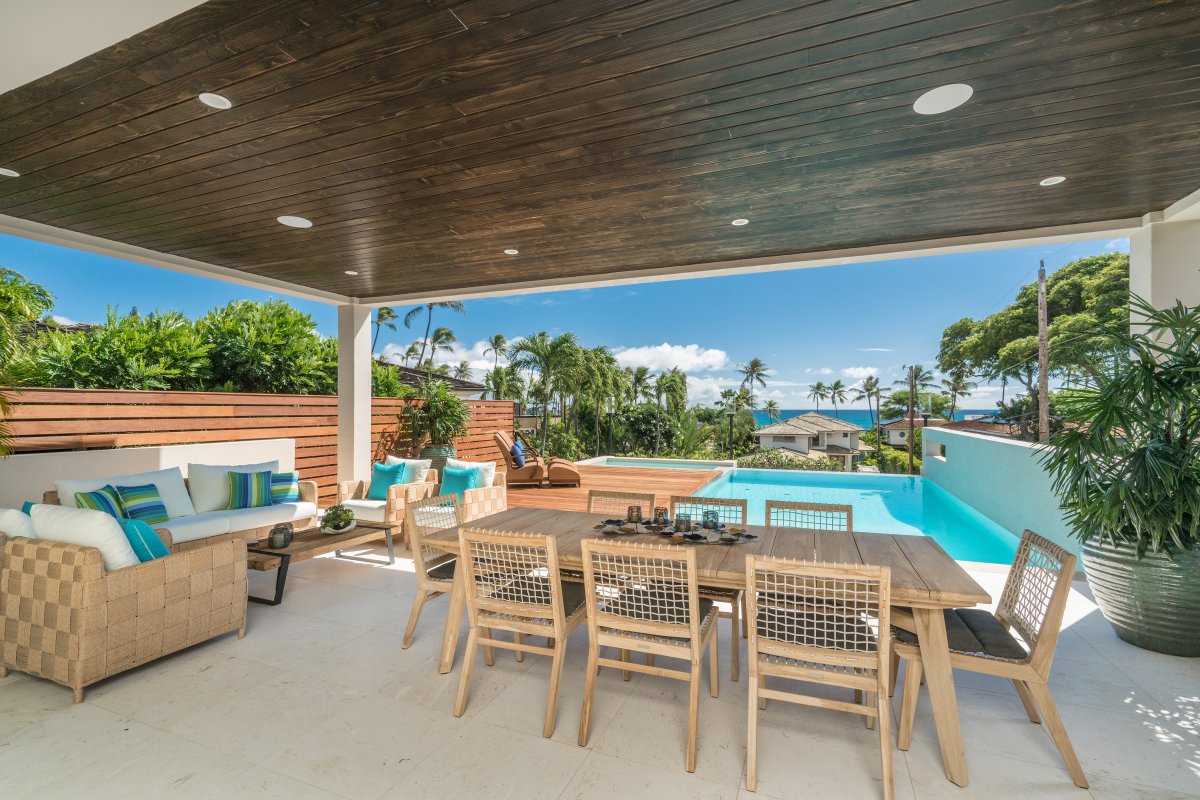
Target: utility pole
(1043,361)
(912,414)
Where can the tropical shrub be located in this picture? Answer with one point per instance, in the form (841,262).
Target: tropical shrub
(21,302)
(154,351)
(561,444)
(439,417)
(267,347)
(777,459)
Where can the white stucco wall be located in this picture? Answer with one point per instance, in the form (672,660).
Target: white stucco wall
(26,476)
(1001,478)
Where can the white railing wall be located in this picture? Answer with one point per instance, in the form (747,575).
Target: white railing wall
(1002,478)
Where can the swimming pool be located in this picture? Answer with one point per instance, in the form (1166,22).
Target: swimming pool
(900,504)
(656,463)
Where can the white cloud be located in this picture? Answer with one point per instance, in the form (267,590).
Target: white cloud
(1116,244)
(821,371)
(858,373)
(706,389)
(687,357)
(473,354)
(61,320)
(874,349)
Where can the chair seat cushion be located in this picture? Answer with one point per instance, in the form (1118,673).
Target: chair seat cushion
(443,571)
(708,614)
(975,632)
(525,589)
(370,510)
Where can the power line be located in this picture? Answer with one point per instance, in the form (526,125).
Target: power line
(1025,278)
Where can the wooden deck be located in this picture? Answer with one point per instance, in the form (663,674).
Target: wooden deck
(663,482)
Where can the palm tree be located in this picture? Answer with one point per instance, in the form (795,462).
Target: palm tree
(640,387)
(753,371)
(957,386)
(818,392)
(412,352)
(498,346)
(463,371)
(547,356)
(605,381)
(916,377)
(676,390)
(837,394)
(868,390)
(443,339)
(384,318)
(413,313)
(772,409)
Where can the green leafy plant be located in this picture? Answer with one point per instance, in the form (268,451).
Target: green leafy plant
(337,517)
(438,417)
(1126,464)
(267,347)
(776,459)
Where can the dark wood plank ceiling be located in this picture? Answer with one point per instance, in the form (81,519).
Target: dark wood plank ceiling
(423,138)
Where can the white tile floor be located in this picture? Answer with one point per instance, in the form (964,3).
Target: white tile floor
(320,701)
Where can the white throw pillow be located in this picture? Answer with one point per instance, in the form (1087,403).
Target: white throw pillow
(86,527)
(487,469)
(168,481)
(209,486)
(14,522)
(417,467)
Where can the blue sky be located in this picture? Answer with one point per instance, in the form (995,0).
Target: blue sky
(823,323)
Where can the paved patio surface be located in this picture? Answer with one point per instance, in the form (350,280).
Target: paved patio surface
(320,701)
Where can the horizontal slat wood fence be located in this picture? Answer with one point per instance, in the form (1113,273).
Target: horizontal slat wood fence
(85,419)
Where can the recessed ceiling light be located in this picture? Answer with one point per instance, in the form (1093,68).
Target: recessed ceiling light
(1051,181)
(9,173)
(218,101)
(294,222)
(511,251)
(740,222)
(351,272)
(943,98)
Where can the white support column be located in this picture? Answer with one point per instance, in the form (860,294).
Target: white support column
(1164,263)
(354,392)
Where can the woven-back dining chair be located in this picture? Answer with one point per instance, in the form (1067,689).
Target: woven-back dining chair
(818,517)
(819,623)
(434,568)
(730,511)
(644,597)
(618,503)
(1032,604)
(513,584)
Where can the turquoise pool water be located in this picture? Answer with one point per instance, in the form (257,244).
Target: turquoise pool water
(656,463)
(882,504)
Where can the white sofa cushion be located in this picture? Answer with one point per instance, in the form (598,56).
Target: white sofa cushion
(243,519)
(168,481)
(370,510)
(209,487)
(197,526)
(416,469)
(14,522)
(487,469)
(86,527)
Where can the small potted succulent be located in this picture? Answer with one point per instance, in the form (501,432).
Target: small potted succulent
(337,519)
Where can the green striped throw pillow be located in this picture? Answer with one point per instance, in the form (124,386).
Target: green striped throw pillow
(285,487)
(103,499)
(249,489)
(144,503)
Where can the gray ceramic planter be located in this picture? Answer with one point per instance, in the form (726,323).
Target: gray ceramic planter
(1153,603)
(438,455)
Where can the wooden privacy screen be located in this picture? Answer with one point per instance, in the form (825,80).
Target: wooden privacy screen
(86,419)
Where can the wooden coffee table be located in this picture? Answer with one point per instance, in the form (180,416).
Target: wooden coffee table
(309,543)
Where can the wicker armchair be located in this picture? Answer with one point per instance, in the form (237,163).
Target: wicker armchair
(480,502)
(398,496)
(63,618)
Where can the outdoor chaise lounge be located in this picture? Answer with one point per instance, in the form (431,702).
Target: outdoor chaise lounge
(557,471)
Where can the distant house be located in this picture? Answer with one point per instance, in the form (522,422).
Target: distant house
(460,388)
(814,436)
(896,433)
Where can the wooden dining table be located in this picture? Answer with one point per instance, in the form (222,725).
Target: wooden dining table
(925,581)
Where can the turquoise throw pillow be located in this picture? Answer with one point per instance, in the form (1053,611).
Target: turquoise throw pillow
(384,476)
(144,503)
(249,489)
(28,504)
(145,542)
(457,481)
(285,487)
(103,499)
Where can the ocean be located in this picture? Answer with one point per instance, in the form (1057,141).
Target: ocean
(859,416)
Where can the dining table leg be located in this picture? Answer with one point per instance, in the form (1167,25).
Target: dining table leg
(939,677)
(454,616)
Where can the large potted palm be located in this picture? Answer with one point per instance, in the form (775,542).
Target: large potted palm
(435,420)
(1126,467)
